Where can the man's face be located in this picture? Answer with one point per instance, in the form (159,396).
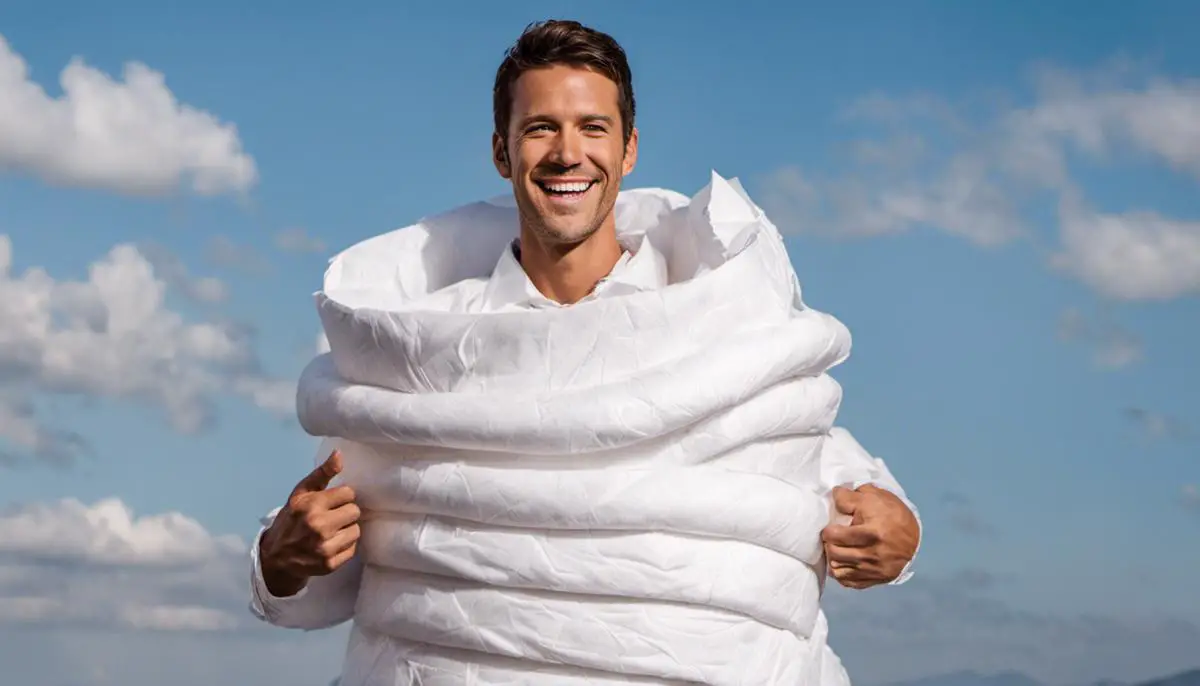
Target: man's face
(565,154)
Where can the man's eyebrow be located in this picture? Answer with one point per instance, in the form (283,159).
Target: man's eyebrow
(545,118)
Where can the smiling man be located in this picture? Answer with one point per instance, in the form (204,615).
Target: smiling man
(565,137)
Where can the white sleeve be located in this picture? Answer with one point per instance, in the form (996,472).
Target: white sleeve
(324,602)
(844,462)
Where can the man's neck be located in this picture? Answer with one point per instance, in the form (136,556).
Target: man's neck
(567,274)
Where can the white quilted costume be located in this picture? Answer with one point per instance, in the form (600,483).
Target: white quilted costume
(629,490)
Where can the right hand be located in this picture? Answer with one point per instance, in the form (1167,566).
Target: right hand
(315,533)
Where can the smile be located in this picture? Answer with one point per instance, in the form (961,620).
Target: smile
(565,190)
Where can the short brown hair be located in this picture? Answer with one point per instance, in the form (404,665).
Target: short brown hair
(547,43)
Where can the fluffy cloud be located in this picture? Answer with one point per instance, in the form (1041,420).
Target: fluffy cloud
(1130,256)
(95,594)
(113,336)
(936,164)
(1109,112)
(67,563)
(961,200)
(130,137)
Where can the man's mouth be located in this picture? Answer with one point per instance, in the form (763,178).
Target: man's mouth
(566,190)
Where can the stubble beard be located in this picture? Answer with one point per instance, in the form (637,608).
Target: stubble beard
(550,236)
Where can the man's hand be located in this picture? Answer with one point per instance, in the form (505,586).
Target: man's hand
(315,533)
(881,538)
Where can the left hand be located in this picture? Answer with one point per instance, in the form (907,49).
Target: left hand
(880,540)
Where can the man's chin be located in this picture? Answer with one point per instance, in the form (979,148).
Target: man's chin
(566,234)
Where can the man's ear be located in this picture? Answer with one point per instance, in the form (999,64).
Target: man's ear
(631,153)
(500,156)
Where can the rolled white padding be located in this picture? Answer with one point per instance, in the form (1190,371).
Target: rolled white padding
(374,658)
(438,352)
(582,418)
(659,640)
(630,490)
(757,508)
(724,574)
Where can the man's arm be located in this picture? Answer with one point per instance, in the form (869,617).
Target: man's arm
(879,533)
(304,566)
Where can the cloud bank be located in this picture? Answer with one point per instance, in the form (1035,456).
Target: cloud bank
(131,136)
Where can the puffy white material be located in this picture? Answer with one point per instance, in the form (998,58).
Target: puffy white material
(624,491)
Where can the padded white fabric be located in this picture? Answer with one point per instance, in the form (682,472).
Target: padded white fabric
(629,490)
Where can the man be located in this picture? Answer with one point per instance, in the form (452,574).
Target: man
(565,138)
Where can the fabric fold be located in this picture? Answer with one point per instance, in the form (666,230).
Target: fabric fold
(627,490)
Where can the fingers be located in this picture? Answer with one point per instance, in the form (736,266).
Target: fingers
(332,564)
(845,500)
(323,522)
(318,479)
(853,536)
(342,517)
(857,574)
(340,542)
(851,578)
(840,556)
(335,498)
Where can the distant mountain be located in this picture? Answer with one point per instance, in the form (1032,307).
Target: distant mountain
(1188,678)
(968,678)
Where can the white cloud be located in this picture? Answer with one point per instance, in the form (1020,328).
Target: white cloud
(962,201)
(298,240)
(936,165)
(1112,110)
(108,533)
(68,563)
(1130,256)
(94,594)
(130,136)
(113,336)
(1112,346)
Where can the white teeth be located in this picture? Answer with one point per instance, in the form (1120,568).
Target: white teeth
(567,187)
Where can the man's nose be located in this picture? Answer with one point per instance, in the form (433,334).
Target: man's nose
(568,149)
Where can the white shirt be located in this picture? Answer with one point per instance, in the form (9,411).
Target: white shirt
(329,600)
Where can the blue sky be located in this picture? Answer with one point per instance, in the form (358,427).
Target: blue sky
(999,198)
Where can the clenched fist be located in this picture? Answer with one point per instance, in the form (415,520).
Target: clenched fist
(315,533)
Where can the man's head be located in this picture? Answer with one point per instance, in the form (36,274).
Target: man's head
(564,116)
